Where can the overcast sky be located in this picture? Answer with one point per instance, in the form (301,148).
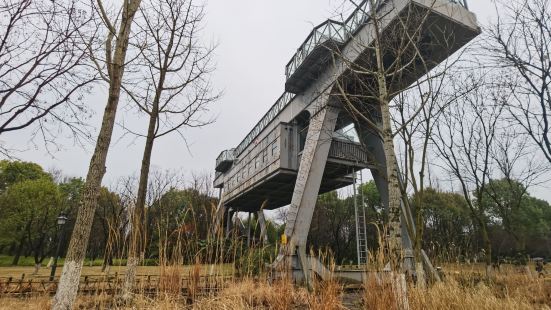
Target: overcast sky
(256,39)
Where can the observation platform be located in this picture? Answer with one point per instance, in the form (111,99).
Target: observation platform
(274,183)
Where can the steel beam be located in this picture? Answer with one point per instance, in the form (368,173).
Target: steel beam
(263,227)
(311,168)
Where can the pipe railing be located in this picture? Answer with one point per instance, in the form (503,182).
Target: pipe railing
(227,155)
(328,31)
(337,32)
(274,111)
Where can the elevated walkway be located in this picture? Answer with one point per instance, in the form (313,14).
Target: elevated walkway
(276,187)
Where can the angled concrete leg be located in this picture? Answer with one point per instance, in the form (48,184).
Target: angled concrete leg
(263,228)
(219,217)
(249,229)
(229,222)
(312,166)
(374,146)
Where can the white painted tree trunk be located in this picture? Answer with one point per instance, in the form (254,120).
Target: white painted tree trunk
(399,286)
(130,278)
(68,284)
(50,262)
(37,268)
(527,271)
(421,277)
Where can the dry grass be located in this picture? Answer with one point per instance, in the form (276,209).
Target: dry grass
(463,291)
(452,296)
(280,295)
(466,291)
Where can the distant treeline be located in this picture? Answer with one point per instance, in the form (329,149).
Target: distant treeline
(449,232)
(31,199)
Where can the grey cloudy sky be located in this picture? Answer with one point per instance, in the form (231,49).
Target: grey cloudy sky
(256,39)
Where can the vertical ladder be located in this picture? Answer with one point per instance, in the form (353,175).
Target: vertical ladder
(361,226)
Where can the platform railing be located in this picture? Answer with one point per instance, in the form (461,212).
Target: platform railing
(461,2)
(228,155)
(337,32)
(358,17)
(328,31)
(274,111)
(348,150)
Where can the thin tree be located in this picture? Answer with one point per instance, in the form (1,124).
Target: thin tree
(43,68)
(116,46)
(367,91)
(465,140)
(519,170)
(520,41)
(417,111)
(174,91)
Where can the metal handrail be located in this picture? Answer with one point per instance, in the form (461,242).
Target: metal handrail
(358,17)
(328,31)
(461,2)
(227,155)
(341,32)
(338,32)
(274,111)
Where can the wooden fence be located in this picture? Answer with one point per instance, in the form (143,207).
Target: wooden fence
(150,285)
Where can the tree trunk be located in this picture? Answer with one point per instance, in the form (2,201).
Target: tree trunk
(137,242)
(50,262)
(18,252)
(488,249)
(394,193)
(420,271)
(418,241)
(394,241)
(68,283)
(37,268)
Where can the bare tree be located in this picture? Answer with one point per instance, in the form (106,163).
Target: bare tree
(367,91)
(520,41)
(116,46)
(466,138)
(518,171)
(417,111)
(171,87)
(43,67)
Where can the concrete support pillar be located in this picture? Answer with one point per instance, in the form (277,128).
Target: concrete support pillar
(229,221)
(219,216)
(249,222)
(263,228)
(310,173)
